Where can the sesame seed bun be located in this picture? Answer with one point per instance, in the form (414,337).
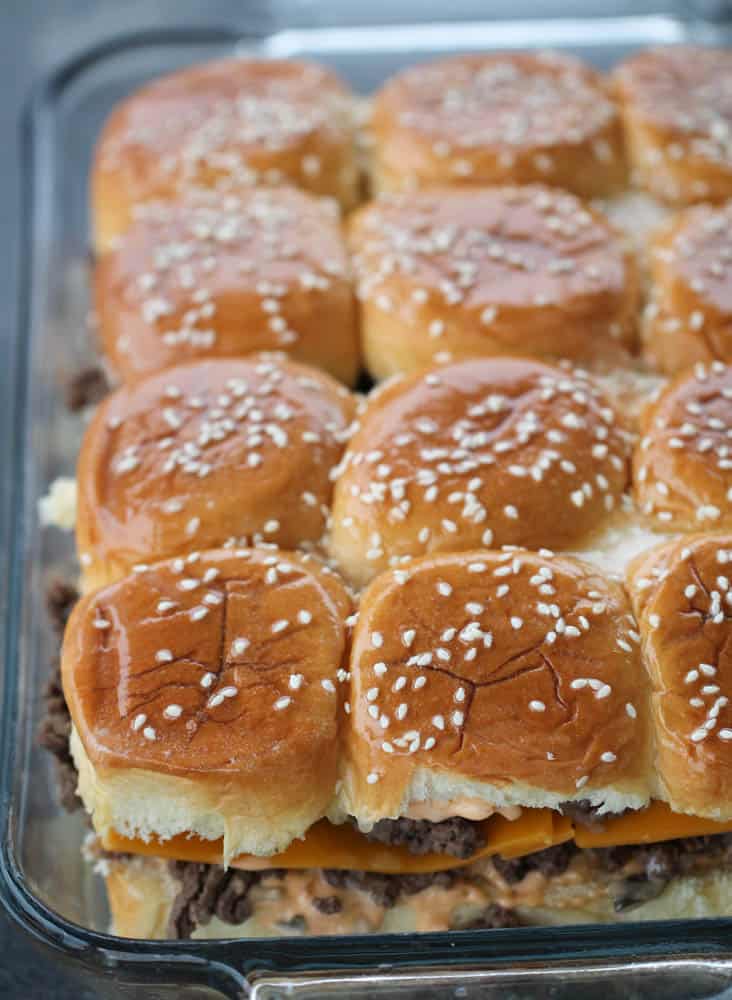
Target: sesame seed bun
(682,464)
(493,119)
(224,125)
(681,597)
(204,698)
(677,115)
(482,452)
(207,454)
(213,276)
(451,273)
(689,314)
(509,677)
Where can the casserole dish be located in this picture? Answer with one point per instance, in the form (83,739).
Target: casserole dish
(46,883)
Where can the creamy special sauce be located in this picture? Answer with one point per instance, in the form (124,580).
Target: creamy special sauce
(464,806)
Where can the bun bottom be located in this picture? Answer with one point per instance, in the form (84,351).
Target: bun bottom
(142,892)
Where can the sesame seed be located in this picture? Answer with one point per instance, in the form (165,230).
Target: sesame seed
(295,682)
(372,778)
(280,625)
(282,703)
(239,646)
(377,640)
(139,721)
(328,686)
(608,757)
(149,733)
(537,706)
(304,617)
(172,711)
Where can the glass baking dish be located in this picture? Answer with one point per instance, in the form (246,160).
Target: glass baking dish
(43,879)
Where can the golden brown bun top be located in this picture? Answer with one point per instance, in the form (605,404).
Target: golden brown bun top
(683,462)
(513,667)
(209,453)
(215,274)
(683,92)
(510,102)
(691,260)
(485,451)
(682,597)
(484,249)
(222,121)
(207,663)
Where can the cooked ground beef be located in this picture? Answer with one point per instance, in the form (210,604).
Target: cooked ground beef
(585,813)
(494,915)
(645,870)
(208,890)
(456,836)
(61,596)
(552,861)
(53,734)
(385,890)
(666,859)
(88,387)
(329,905)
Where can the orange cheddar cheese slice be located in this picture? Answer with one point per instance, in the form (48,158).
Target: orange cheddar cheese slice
(329,846)
(647,826)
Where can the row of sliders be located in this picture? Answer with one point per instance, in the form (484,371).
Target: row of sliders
(505,118)
(197,257)
(230,706)
(482,453)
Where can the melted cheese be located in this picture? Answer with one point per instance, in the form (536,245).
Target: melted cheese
(329,846)
(648,826)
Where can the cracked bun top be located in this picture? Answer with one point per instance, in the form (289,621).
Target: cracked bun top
(676,104)
(223,276)
(224,125)
(206,454)
(683,461)
(689,314)
(451,272)
(513,677)
(477,453)
(210,687)
(492,119)
(682,598)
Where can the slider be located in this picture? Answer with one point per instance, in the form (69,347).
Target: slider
(214,275)
(208,454)
(224,125)
(204,694)
(687,318)
(674,103)
(682,475)
(448,273)
(487,452)
(492,119)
